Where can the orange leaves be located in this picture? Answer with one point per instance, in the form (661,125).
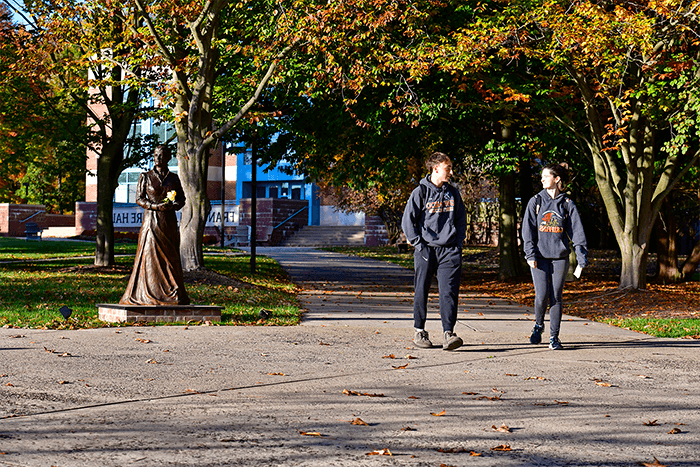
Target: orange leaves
(359,421)
(383,452)
(400,367)
(656,463)
(439,414)
(311,433)
(452,450)
(502,447)
(503,428)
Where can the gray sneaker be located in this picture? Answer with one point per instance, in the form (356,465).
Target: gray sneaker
(421,340)
(452,342)
(555,343)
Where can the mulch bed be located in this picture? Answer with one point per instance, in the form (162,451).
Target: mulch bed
(595,295)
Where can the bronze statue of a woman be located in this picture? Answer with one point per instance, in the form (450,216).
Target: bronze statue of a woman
(157,277)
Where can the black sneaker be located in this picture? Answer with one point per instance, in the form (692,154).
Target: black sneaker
(452,342)
(536,336)
(555,343)
(421,340)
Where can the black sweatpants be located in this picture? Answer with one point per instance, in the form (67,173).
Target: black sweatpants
(447,263)
(548,277)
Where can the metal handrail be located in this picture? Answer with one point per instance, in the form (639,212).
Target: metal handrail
(289,218)
(35,214)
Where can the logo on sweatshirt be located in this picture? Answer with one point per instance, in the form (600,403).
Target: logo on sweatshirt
(552,222)
(441,205)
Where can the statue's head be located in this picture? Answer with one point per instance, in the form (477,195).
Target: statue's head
(162,155)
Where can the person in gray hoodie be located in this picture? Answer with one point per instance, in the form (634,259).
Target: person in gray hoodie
(434,222)
(550,225)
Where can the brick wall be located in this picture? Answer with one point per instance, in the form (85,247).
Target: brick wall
(375,231)
(270,213)
(14,218)
(85,217)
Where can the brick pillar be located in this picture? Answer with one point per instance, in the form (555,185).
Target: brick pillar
(375,231)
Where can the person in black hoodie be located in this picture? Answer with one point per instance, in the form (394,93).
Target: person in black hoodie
(550,225)
(434,222)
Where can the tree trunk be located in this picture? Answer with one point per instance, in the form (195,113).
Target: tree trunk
(634,263)
(509,257)
(193,176)
(667,249)
(108,170)
(392,222)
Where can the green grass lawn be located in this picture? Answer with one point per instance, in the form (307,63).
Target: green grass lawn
(32,290)
(14,249)
(666,327)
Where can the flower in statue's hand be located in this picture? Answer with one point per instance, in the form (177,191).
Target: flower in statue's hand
(170,197)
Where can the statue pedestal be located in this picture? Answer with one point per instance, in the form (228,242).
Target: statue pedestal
(117,313)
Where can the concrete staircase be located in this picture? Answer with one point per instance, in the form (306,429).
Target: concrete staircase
(315,235)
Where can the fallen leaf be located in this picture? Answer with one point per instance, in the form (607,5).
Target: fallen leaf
(503,428)
(64,382)
(474,454)
(540,378)
(310,433)
(644,376)
(277,374)
(4,375)
(603,383)
(10,385)
(451,450)
(355,393)
(413,397)
(410,357)
(322,343)
(470,393)
(65,354)
(145,341)
(561,402)
(359,421)
(497,390)
(401,367)
(651,423)
(675,431)
(48,350)
(438,414)
(502,447)
(383,452)
(151,361)
(656,463)
(494,398)
(192,391)
(408,428)
(389,356)
(510,374)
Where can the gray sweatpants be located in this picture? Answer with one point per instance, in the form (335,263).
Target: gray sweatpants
(548,277)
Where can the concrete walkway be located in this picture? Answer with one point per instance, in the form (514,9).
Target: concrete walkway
(261,396)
